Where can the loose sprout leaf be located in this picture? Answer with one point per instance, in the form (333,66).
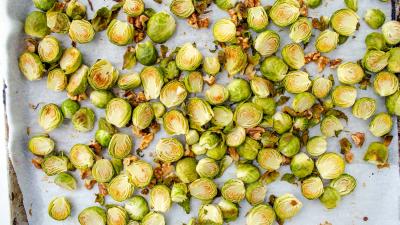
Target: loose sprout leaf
(290,178)
(101,19)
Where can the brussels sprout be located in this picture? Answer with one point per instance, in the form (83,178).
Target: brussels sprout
(297,82)
(321,87)
(301,30)
(121,188)
(173,93)
(287,206)
(193,82)
(117,215)
(207,167)
(300,124)
(256,193)
(50,117)
(381,124)
(129,81)
(377,153)
(344,22)
(186,170)
(120,146)
(284,12)
(57,80)
(260,86)
(225,4)
(257,18)
(289,144)
(249,148)
(81,156)
(118,112)
(158,109)
(58,22)
(69,108)
(211,65)
(267,43)
(120,33)
(352,4)
(391,32)
(78,81)
(41,145)
(230,211)
(160,198)
(199,111)
(203,189)
(268,105)
(49,49)
(136,207)
(104,133)
(142,115)
(269,159)
(146,53)
(175,123)
(160,27)
(102,75)
(53,165)
(31,66)
(179,192)
(222,116)
(350,73)
(239,90)
(236,136)
(282,122)
(140,173)
(330,165)
(301,165)
(248,173)
(303,101)
(217,94)
(293,55)
(192,137)
(153,218)
(36,25)
(330,126)
(393,104)
(261,215)
(316,146)
(274,68)
(182,8)
(312,187)
(75,10)
(92,216)
(375,60)
(236,59)
(103,171)
(224,30)
(386,83)
(330,198)
(248,115)
(101,98)
(210,139)
(344,96)
(169,69)
(375,41)
(71,60)
(210,214)
(169,150)
(59,208)
(345,184)
(233,190)
(81,31)
(364,108)
(132,222)
(65,181)
(133,8)
(375,18)
(327,41)
(83,120)
(152,81)
(44,5)
(393,62)
(313,3)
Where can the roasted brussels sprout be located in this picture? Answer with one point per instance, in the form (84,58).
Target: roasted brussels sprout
(194,82)
(224,30)
(284,12)
(160,27)
(41,145)
(120,146)
(50,117)
(236,136)
(175,123)
(120,33)
(350,73)
(393,104)
(59,208)
(136,207)
(375,60)
(118,112)
(381,124)
(274,68)
(236,59)
(78,81)
(293,55)
(297,82)
(102,75)
(269,159)
(71,60)
(210,214)
(101,98)
(142,115)
(103,170)
(104,133)
(230,211)
(169,150)
(182,8)
(81,156)
(313,3)
(321,87)
(393,62)
(330,198)
(36,25)
(352,4)
(186,170)
(386,83)
(239,90)
(58,22)
(121,188)
(146,53)
(179,192)
(129,81)
(301,165)
(226,4)
(316,146)
(93,216)
(248,173)
(301,30)
(391,32)
(377,153)
(76,10)
(303,102)
(69,108)
(312,187)
(57,80)
(375,18)
(233,190)
(249,148)
(261,87)
(344,96)
(256,193)
(248,115)
(257,18)
(188,57)
(375,41)
(287,206)
(223,116)
(44,5)
(330,165)
(211,65)
(54,165)
(364,108)
(83,120)
(65,181)
(140,172)
(344,22)
(203,189)
(267,43)
(49,49)
(282,122)
(160,198)
(261,215)
(172,94)
(217,94)
(327,41)
(330,126)
(152,81)
(207,167)
(289,144)
(81,31)
(153,218)
(117,215)
(30,65)
(133,7)
(345,184)
(199,111)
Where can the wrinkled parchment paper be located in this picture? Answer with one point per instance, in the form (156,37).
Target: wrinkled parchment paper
(376,197)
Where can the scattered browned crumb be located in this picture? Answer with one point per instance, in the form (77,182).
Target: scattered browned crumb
(244,42)
(384,165)
(197,22)
(189,152)
(146,141)
(164,172)
(233,153)
(147,134)
(135,98)
(96,147)
(348,156)
(312,57)
(31,44)
(387,140)
(210,80)
(358,139)
(286,160)
(251,3)
(255,132)
(325,223)
(345,148)
(144,191)
(334,63)
(322,62)
(303,8)
(233,16)
(37,162)
(78,98)
(129,160)
(140,24)
(89,184)
(102,189)
(85,173)
(320,24)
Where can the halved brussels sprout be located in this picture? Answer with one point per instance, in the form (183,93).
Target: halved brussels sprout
(282,122)
(257,18)
(393,104)
(54,165)
(233,190)
(375,41)
(248,115)
(312,187)
(49,49)
(194,82)
(30,65)
(287,206)
(182,8)
(377,153)
(226,4)
(393,63)
(210,214)
(386,83)
(224,30)
(321,87)
(303,101)
(236,136)
(50,117)
(83,120)
(78,81)
(133,8)
(256,193)
(146,53)
(364,108)
(121,188)
(81,31)
(120,33)
(381,124)
(59,208)
(210,139)
(236,59)
(160,198)
(136,207)
(330,198)
(274,68)
(375,18)
(142,115)
(169,150)
(118,112)
(186,170)
(391,32)
(160,27)
(330,165)
(103,171)
(301,165)
(203,189)
(249,148)
(284,12)
(239,90)
(297,82)
(76,10)
(173,93)
(261,215)
(301,30)
(248,173)
(44,5)
(217,94)
(57,80)
(199,111)
(152,81)
(93,216)
(211,65)
(352,4)
(65,181)
(261,87)
(327,41)
(175,123)
(344,22)
(269,159)
(58,22)
(350,73)
(100,98)
(120,146)
(153,218)
(267,43)
(293,55)
(36,24)
(102,75)
(192,137)
(289,144)
(230,211)
(117,215)
(316,146)
(207,167)
(81,156)
(313,3)
(301,123)
(344,96)
(330,126)
(129,81)
(223,116)
(140,172)
(268,105)
(69,108)
(375,60)
(71,60)
(104,133)
(179,192)
(41,145)
(345,184)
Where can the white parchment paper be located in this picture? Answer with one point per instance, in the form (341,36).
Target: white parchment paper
(377,193)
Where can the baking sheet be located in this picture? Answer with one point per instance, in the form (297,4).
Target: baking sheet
(376,196)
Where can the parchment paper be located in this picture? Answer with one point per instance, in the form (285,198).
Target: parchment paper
(377,193)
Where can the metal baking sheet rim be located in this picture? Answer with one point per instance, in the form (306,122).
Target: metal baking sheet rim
(12,209)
